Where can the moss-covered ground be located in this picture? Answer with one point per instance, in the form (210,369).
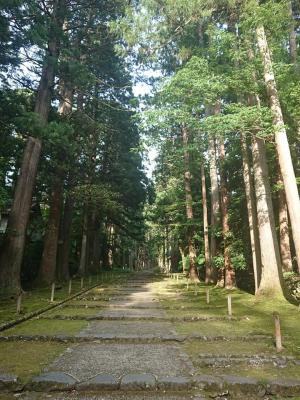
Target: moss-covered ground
(254,317)
(46,327)
(39,298)
(27,359)
(73,312)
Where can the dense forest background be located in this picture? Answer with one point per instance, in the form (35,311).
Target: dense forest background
(223,115)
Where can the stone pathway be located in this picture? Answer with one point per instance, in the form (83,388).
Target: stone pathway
(131,350)
(129,366)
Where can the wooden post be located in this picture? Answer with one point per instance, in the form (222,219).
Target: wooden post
(195,292)
(229,305)
(90,281)
(70,286)
(207,296)
(81,283)
(19,303)
(187,285)
(278,339)
(52,292)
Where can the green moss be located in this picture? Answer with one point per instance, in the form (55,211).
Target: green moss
(257,314)
(27,359)
(221,348)
(262,372)
(47,327)
(40,298)
(73,311)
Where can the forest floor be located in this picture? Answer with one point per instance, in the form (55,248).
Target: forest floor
(147,336)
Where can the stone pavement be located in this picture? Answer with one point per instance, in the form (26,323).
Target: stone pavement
(132,365)
(131,350)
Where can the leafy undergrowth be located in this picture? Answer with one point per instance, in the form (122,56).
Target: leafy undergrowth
(40,298)
(47,327)
(27,359)
(256,317)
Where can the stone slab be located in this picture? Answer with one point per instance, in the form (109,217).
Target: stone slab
(132,313)
(84,361)
(174,383)
(127,328)
(9,382)
(208,382)
(290,387)
(144,304)
(99,382)
(138,382)
(243,384)
(112,396)
(53,380)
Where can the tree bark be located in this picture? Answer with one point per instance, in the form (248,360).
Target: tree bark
(293,36)
(63,250)
(82,263)
(271,277)
(49,257)
(284,238)
(13,244)
(283,150)
(207,256)
(48,263)
(182,258)
(252,215)
(215,209)
(229,272)
(9,256)
(193,273)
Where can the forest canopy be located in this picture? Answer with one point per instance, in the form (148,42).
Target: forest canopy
(223,117)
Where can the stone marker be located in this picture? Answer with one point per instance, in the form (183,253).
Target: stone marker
(278,339)
(70,286)
(207,296)
(229,303)
(52,292)
(195,292)
(19,303)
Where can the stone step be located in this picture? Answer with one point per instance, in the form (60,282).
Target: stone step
(214,360)
(216,386)
(114,395)
(120,338)
(124,316)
